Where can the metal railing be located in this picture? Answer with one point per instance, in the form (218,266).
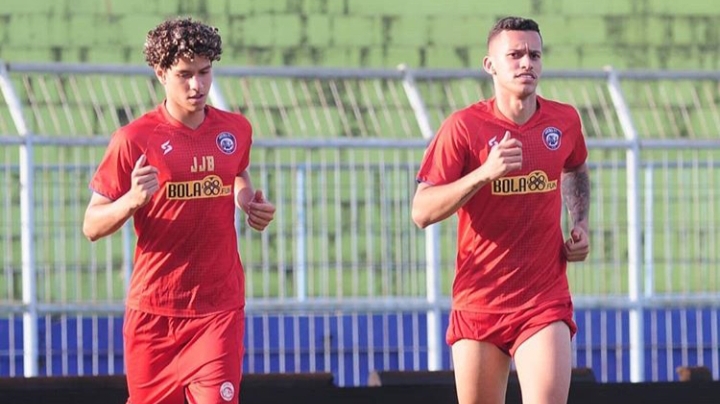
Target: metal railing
(337,151)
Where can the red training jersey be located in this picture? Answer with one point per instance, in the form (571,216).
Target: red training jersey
(509,239)
(186,259)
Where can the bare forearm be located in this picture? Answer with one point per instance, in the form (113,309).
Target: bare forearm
(433,204)
(104,219)
(576,193)
(244,192)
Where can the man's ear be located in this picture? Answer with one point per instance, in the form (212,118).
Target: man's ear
(488,66)
(160,74)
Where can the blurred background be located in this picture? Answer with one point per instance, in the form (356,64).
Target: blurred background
(343,96)
(579,34)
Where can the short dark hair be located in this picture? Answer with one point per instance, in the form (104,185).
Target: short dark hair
(178,38)
(513,24)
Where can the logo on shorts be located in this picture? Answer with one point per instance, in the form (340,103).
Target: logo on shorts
(227,391)
(226,142)
(551,137)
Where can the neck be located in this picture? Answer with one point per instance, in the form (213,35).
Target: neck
(191,119)
(518,110)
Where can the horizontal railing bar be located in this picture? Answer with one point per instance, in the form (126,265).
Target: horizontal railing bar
(380,305)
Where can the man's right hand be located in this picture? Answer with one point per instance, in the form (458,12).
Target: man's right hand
(145,183)
(504,157)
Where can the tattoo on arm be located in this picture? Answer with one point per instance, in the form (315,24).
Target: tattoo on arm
(576,193)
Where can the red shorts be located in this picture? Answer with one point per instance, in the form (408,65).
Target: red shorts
(508,330)
(171,359)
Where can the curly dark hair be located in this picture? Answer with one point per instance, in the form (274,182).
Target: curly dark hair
(513,24)
(178,38)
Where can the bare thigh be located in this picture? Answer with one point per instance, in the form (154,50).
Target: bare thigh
(544,365)
(481,372)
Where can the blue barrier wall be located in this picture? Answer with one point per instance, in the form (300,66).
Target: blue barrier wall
(602,338)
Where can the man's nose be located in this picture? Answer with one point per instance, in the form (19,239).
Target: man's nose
(525,62)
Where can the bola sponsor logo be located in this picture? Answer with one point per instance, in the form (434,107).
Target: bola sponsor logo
(535,182)
(208,187)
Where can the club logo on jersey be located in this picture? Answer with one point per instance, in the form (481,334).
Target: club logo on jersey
(493,142)
(535,182)
(227,391)
(551,137)
(208,187)
(226,142)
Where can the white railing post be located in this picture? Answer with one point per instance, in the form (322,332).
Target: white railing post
(432,235)
(649,267)
(27,226)
(635,284)
(127,254)
(300,264)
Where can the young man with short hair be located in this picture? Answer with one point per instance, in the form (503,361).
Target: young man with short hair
(504,165)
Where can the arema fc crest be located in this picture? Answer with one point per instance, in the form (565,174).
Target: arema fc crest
(226,142)
(551,137)
(227,391)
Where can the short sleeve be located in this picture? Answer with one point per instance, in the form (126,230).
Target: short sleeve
(446,155)
(245,148)
(579,152)
(112,177)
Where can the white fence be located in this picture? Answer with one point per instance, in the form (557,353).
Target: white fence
(342,281)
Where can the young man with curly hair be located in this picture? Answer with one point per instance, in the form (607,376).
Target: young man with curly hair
(180,171)
(504,165)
